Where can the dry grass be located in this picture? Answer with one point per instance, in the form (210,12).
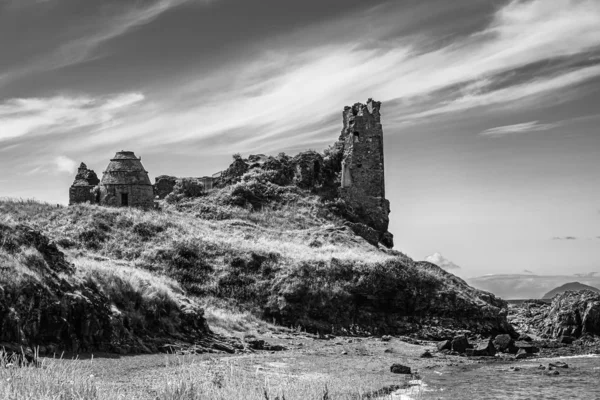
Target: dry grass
(185,378)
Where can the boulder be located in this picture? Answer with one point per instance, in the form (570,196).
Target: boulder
(526,347)
(553,373)
(505,344)
(426,354)
(444,345)
(522,354)
(484,348)
(460,344)
(558,364)
(523,337)
(566,339)
(400,369)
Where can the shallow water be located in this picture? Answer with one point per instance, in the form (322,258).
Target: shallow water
(499,382)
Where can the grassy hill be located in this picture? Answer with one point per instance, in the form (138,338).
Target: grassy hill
(119,279)
(571,286)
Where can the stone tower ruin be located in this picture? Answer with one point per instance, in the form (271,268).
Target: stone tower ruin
(363,179)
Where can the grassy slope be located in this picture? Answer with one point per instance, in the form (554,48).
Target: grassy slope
(291,262)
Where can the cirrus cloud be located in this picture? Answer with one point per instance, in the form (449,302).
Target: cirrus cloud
(531,126)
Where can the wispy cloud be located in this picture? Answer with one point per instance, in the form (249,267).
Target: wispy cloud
(61,114)
(471,72)
(587,274)
(441,261)
(291,94)
(65,164)
(531,126)
(114,20)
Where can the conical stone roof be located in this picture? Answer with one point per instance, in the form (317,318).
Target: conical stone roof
(125,169)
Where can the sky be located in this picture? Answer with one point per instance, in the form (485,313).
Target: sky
(490,107)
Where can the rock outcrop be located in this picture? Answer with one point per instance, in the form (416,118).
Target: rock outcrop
(571,314)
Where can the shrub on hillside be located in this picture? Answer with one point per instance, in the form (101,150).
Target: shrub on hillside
(147,230)
(185,188)
(93,238)
(256,188)
(187,263)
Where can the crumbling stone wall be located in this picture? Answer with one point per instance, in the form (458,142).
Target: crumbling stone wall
(307,169)
(83,188)
(163,185)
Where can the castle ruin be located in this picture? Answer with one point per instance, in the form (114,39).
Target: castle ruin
(352,169)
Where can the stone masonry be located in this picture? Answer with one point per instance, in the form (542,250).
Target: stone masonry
(363,181)
(83,188)
(125,183)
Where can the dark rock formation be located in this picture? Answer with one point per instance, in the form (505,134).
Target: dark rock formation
(572,314)
(505,344)
(566,339)
(460,344)
(484,348)
(571,286)
(400,369)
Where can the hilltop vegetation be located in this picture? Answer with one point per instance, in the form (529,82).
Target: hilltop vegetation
(288,259)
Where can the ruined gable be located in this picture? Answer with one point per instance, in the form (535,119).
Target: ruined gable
(83,188)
